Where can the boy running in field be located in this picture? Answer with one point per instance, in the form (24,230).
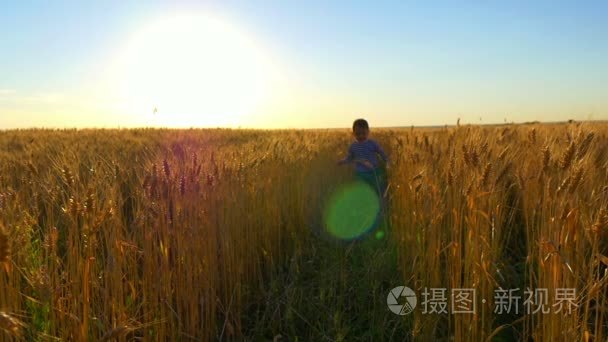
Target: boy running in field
(364,153)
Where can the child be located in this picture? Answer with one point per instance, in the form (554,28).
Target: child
(364,153)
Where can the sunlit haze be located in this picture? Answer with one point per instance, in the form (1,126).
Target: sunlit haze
(300,65)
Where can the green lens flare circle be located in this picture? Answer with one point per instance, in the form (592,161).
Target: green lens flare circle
(352,211)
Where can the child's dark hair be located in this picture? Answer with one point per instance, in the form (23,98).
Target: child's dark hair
(360,123)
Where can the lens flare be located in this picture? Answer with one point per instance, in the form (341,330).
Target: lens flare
(352,211)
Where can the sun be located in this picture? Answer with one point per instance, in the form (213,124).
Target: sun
(191,70)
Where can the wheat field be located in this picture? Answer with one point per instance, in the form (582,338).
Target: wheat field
(215,234)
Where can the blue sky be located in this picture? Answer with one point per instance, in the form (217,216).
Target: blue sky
(397,63)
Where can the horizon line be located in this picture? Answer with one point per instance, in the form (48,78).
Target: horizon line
(534,122)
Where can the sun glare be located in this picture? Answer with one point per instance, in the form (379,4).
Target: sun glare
(195,71)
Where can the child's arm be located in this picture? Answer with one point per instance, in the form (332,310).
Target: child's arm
(349,157)
(382,154)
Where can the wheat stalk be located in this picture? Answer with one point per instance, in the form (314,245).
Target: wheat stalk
(116,333)
(10,324)
(546,157)
(584,146)
(4,246)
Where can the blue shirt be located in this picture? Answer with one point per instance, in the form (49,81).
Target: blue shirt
(365,150)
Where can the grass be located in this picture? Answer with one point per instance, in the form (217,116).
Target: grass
(219,234)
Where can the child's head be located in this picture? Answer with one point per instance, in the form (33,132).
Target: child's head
(360,129)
